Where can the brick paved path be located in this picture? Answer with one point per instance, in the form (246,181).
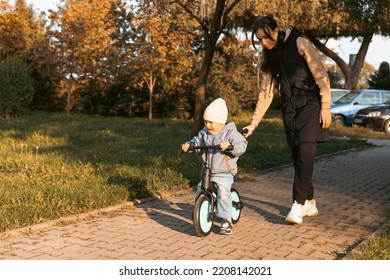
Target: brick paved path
(351,190)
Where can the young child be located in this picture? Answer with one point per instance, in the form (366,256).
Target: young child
(223,163)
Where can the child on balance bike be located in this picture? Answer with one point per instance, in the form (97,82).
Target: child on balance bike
(223,162)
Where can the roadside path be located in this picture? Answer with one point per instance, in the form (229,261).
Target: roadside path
(352,192)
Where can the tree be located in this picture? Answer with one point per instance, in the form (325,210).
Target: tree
(232,75)
(19,28)
(381,78)
(161,46)
(359,19)
(216,17)
(325,19)
(21,33)
(119,65)
(212,17)
(81,40)
(16,89)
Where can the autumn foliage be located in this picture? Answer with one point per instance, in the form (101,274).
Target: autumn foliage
(152,58)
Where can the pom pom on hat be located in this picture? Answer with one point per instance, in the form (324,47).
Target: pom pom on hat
(217,111)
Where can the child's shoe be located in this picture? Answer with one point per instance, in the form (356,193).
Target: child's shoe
(310,208)
(296,213)
(226,227)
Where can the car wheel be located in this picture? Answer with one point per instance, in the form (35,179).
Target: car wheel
(387,127)
(339,120)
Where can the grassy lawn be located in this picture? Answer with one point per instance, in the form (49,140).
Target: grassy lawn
(54,164)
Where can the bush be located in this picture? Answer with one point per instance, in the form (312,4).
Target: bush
(16,87)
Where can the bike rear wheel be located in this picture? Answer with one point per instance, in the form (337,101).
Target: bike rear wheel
(203,215)
(236,206)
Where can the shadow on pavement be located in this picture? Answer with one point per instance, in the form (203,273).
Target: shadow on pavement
(178,216)
(253,204)
(174,216)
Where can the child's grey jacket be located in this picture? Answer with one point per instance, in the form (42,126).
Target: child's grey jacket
(226,161)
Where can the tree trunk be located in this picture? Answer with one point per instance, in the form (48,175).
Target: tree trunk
(218,23)
(150,103)
(150,82)
(352,73)
(69,94)
(200,94)
(211,38)
(150,98)
(356,68)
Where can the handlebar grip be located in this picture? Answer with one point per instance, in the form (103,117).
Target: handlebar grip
(191,148)
(244,131)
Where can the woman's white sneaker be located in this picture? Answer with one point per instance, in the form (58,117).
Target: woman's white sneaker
(296,213)
(310,209)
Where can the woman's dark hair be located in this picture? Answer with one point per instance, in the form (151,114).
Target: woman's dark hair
(270,57)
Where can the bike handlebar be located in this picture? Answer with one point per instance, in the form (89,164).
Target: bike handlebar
(206,147)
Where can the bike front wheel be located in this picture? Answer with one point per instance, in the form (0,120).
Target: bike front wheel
(203,215)
(236,206)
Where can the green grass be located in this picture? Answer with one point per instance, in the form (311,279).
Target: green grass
(377,248)
(53,164)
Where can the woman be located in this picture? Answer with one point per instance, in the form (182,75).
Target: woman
(290,60)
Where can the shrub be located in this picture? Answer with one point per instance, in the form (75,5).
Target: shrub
(16,87)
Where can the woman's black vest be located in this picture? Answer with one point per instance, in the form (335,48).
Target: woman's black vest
(301,102)
(293,70)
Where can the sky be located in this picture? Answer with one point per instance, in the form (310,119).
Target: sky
(378,51)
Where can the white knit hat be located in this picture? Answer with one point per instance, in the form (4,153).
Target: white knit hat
(216,111)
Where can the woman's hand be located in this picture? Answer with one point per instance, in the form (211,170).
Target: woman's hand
(250,129)
(325,118)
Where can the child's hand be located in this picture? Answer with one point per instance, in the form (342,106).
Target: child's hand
(185,147)
(224,145)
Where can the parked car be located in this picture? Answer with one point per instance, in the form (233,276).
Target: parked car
(344,109)
(375,117)
(337,93)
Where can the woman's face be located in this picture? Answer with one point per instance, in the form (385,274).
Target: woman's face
(266,41)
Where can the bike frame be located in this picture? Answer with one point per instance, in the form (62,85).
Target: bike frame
(208,187)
